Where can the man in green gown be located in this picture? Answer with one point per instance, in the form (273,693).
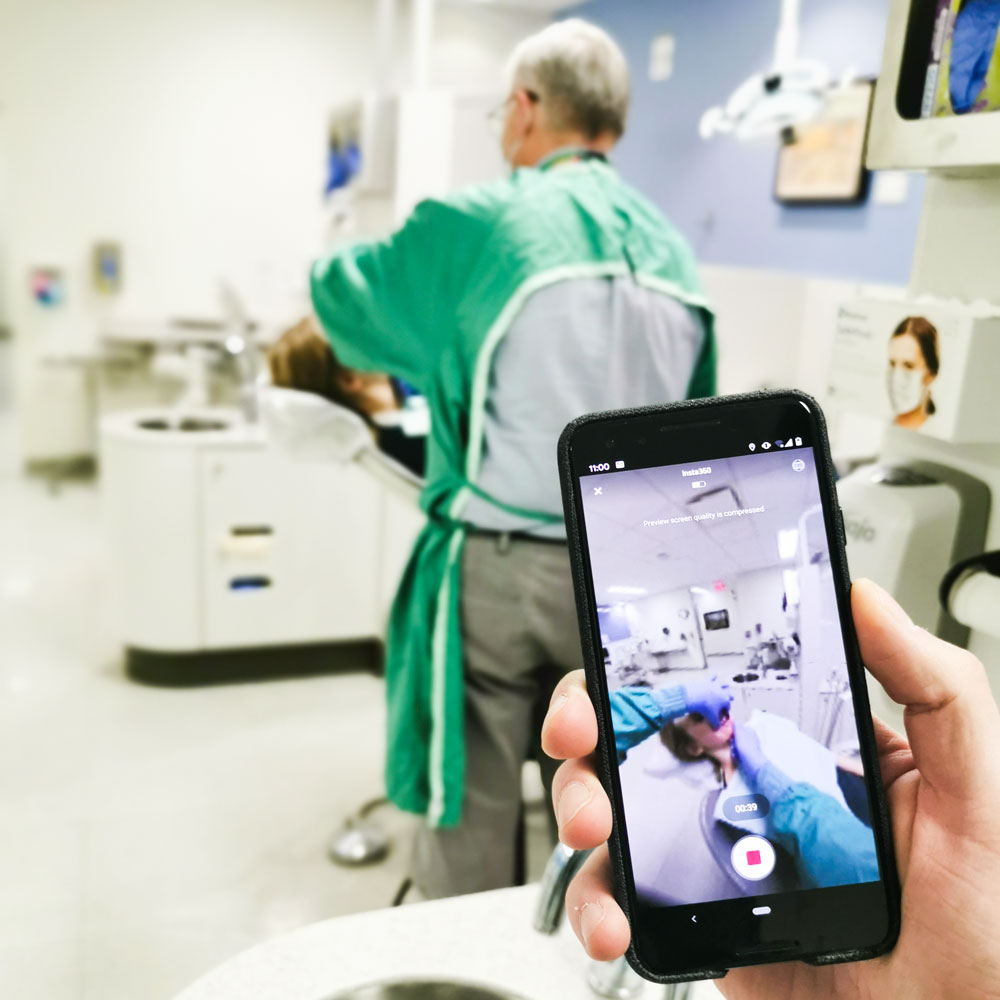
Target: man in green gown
(514,307)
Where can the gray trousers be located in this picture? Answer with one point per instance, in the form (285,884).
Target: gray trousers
(520,636)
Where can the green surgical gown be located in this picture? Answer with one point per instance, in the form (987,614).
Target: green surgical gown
(430,304)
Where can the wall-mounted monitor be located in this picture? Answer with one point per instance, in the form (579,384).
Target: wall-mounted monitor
(716,620)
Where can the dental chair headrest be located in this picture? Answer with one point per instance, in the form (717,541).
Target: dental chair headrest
(311,428)
(308,426)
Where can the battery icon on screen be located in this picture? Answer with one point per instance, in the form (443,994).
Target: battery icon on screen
(619,464)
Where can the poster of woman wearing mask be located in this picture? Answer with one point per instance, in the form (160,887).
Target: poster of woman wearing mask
(914,361)
(925,366)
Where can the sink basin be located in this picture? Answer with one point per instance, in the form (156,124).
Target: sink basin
(423,989)
(188,424)
(169,431)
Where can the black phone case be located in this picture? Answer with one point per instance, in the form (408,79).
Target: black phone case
(606,758)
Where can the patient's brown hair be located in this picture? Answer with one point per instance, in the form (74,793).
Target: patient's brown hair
(684,747)
(303,359)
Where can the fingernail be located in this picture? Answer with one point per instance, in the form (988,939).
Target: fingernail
(591,915)
(571,800)
(558,702)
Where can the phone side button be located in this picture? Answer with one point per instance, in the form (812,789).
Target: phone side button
(761,911)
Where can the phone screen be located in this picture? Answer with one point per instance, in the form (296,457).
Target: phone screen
(740,770)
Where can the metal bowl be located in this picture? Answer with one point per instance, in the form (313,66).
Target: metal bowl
(423,989)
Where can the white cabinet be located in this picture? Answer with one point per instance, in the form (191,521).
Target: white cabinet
(291,550)
(221,543)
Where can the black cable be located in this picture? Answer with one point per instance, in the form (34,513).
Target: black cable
(401,892)
(371,806)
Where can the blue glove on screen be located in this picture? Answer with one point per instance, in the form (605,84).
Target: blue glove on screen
(709,697)
(749,754)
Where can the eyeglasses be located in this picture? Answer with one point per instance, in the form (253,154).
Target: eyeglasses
(496,116)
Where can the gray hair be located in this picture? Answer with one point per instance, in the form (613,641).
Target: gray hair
(579,74)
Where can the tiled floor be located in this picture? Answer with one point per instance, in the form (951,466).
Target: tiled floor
(147,834)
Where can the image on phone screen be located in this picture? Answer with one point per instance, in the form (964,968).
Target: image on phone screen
(716,576)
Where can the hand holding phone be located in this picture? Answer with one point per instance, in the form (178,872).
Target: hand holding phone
(708,556)
(946,824)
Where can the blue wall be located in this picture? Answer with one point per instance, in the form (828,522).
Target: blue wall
(720,192)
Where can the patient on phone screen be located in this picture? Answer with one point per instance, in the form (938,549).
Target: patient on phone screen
(765,759)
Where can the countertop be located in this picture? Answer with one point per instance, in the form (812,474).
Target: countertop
(179,332)
(485,938)
(233,431)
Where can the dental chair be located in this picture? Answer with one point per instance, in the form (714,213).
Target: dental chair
(308,427)
(304,425)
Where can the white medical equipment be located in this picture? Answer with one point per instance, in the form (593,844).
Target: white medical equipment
(243,550)
(792,92)
(907,527)
(970,592)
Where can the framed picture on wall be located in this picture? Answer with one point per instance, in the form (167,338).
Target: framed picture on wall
(823,161)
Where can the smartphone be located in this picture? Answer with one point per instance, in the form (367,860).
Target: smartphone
(736,739)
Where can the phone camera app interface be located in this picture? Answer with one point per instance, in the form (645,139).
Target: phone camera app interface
(738,752)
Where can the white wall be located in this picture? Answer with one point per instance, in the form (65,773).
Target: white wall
(473,40)
(759,317)
(4,220)
(723,640)
(652,614)
(760,593)
(775,330)
(6,346)
(194,135)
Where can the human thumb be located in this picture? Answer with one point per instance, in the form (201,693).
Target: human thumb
(951,717)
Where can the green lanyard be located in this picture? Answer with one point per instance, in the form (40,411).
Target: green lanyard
(573,154)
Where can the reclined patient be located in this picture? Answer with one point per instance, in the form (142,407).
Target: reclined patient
(303,359)
(714,760)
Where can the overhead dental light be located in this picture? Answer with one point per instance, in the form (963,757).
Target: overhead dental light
(791,92)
